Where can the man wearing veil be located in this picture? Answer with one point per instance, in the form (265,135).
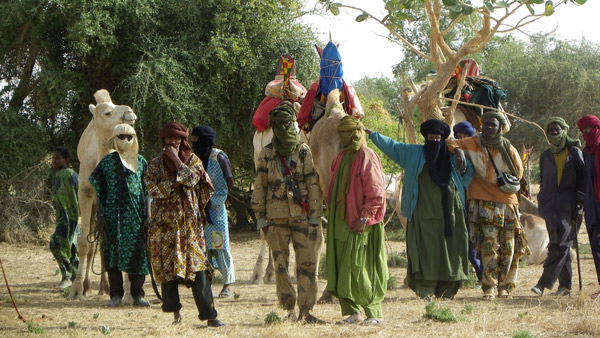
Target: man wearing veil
(180,189)
(122,194)
(433,196)
(560,201)
(357,271)
(288,207)
(216,164)
(496,231)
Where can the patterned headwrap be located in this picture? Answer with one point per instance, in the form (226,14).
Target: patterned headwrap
(498,141)
(562,140)
(464,127)
(176,129)
(592,142)
(285,138)
(128,150)
(437,159)
(205,143)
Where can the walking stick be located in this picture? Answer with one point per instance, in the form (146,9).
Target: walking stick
(578,221)
(145,226)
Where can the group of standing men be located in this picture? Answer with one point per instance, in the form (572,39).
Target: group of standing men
(182,235)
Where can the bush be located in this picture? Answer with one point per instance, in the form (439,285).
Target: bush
(27,213)
(441,314)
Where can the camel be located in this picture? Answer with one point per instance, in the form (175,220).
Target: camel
(91,149)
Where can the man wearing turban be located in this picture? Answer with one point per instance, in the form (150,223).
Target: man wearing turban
(180,189)
(560,201)
(357,271)
(122,194)
(433,199)
(216,164)
(288,206)
(495,229)
(589,126)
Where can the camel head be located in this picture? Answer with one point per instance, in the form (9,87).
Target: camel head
(106,114)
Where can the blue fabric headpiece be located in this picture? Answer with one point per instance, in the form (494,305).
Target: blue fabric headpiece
(331,69)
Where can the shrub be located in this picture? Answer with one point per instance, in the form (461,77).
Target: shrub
(441,314)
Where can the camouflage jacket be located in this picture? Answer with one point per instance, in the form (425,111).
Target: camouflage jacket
(273,195)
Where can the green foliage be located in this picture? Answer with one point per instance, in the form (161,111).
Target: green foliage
(105,329)
(236,295)
(72,324)
(397,234)
(523,314)
(522,334)
(471,282)
(95,315)
(440,314)
(272,318)
(468,309)
(397,259)
(391,283)
(35,328)
(65,292)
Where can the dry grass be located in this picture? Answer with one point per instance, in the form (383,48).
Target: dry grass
(31,274)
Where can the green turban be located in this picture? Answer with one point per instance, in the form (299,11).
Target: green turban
(285,137)
(351,133)
(562,140)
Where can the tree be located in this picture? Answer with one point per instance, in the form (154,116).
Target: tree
(444,18)
(198,62)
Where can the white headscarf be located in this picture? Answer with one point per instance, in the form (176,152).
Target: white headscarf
(128,150)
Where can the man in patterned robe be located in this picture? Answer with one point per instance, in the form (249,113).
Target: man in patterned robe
(180,189)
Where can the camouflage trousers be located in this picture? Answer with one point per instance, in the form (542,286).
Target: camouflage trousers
(307,241)
(499,241)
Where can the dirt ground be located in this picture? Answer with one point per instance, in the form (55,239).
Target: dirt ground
(32,275)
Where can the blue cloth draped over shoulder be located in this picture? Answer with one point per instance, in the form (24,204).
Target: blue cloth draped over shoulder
(331,69)
(411,157)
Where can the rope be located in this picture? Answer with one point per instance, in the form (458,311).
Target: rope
(96,238)
(10,294)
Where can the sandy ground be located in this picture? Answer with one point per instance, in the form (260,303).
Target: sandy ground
(32,275)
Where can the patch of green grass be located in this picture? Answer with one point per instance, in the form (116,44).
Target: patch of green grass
(391,283)
(397,259)
(95,315)
(105,329)
(155,316)
(522,334)
(65,293)
(440,314)
(468,309)
(272,318)
(236,295)
(522,264)
(585,249)
(16,297)
(35,328)
(217,279)
(398,235)
(522,315)
(470,283)
(72,324)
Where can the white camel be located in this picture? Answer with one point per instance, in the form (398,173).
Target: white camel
(91,149)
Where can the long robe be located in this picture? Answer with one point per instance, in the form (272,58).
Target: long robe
(432,256)
(63,242)
(122,197)
(356,263)
(175,234)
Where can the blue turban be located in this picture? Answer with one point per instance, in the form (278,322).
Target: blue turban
(463,127)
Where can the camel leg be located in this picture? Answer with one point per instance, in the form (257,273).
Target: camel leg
(270,270)
(127,298)
(258,267)
(79,288)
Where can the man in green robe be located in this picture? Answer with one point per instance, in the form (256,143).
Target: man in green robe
(122,194)
(432,201)
(356,262)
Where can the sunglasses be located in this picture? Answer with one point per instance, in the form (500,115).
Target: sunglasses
(125,137)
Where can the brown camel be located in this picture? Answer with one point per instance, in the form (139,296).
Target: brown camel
(91,149)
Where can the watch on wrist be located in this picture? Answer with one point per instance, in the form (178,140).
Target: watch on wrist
(362,219)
